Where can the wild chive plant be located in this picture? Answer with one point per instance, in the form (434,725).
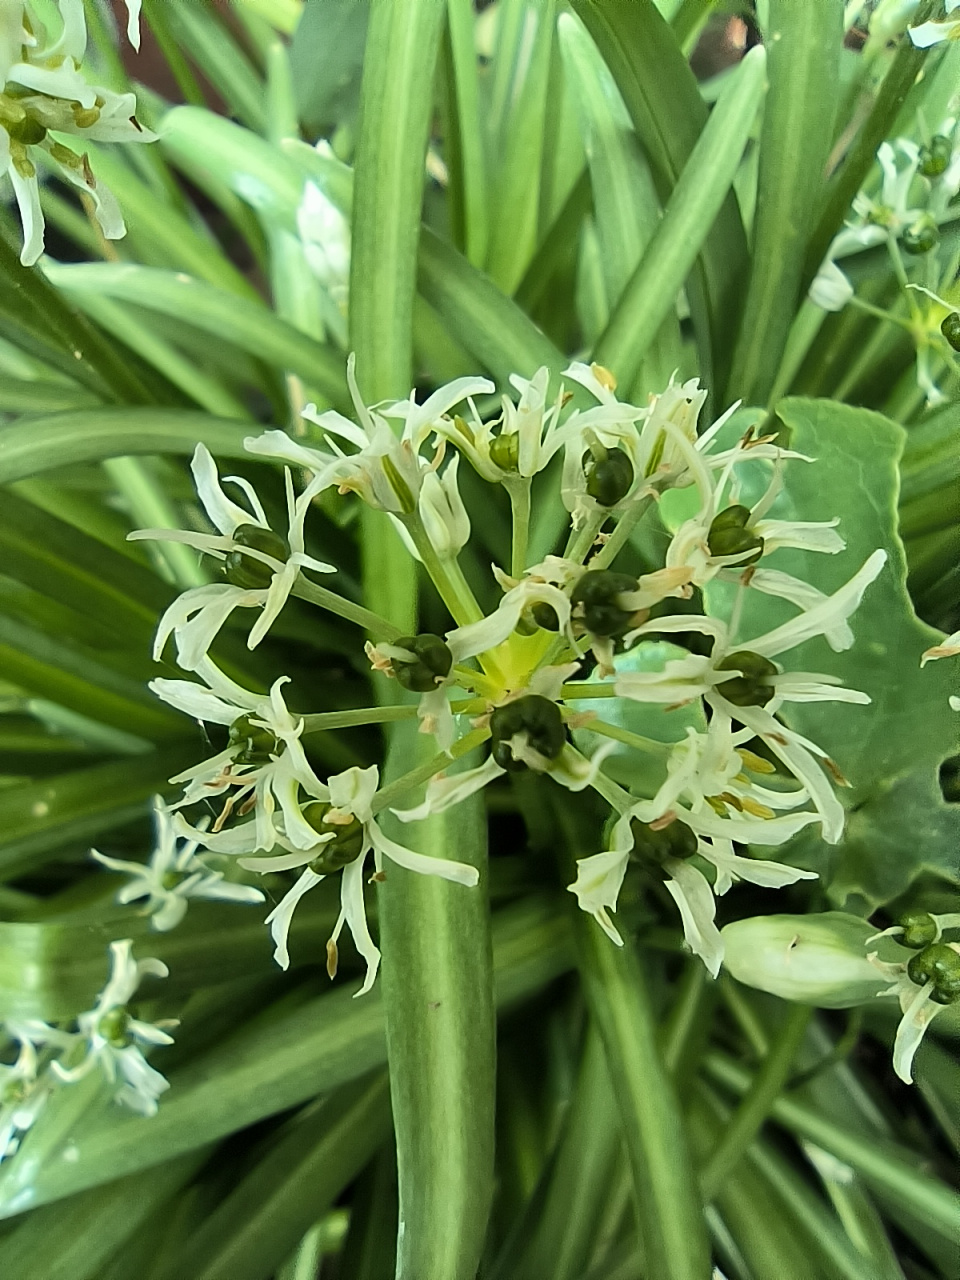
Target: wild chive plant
(493,507)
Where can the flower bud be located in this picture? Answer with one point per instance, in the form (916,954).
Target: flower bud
(939,964)
(919,929)
(817,959)
(595,601)
(254,744)
(752,688)
(920,237)
(950,328)
(729,535)
(429,658)
(610,477)
(534,716)
(505,451)
(935,158)
(246,571)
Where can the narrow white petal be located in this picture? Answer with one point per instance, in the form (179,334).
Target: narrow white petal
(698,909)
(354,912)
(917,1016)
(458,872)
(280,917)
(445,792)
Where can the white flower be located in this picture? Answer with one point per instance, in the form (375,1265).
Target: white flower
(919,1000)
(262,566)
(173,876)
(24,1087)
(325,235)
(345,832)
(931,33)
(443,514)
(386,470)
(113,1038)
(600,877)
(45,94)
(262,766)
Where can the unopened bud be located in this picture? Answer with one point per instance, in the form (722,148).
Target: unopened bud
(939,964)
(935,158)
(950,328)
(816,959)
(919,929)
(921,237)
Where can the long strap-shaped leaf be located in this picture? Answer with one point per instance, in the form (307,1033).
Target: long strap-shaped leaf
(669,115)
(697,198)
(804,43)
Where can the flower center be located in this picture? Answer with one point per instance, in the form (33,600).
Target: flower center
(113,1027)
(729,536)
(345,847)
(652,846)
(531,724)
(597,603)
(417,661)
(245,571)
(608,473)
(939,964)
(253,743)
(752,688)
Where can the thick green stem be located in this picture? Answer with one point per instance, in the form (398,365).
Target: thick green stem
(519,493)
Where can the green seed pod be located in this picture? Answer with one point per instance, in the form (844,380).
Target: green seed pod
(545,616)
(752,689)
(505,451)
(651,848)
(27,131)
(432,659)
(244,571)
(919,929)
(609,479)
(113,1027)
(811,959)
(253,743)
(596,593)
(729,535)
(920,238)
(950,328)
(538,718)
(939,964)
(345,847)
(935,158)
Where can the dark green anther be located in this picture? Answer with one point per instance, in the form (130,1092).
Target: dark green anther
(245,571)
(940,965)
(935,158)
(253,743)
(652,847)
(533,715)
(919,929)
(432,658)
(505,451)
(597,594)
(752,688)
(345,847)
(950,328)
(729,536)
(609,479)
(27,131)
(921,237)
(113,1027)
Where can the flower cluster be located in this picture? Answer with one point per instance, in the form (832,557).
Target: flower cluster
(563,633)
(109,1038)
(914,196)
(44,97)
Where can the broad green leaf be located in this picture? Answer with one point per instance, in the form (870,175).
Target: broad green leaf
(23,396)
(803,44)
(261,1070)
(256,1226)
(891,751)
(250,325)
(438,997)
(669,115)
(691,210)
(464,148)
(90,435)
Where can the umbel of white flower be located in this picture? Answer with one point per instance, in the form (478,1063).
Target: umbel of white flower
(46,100)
